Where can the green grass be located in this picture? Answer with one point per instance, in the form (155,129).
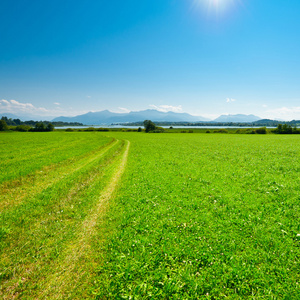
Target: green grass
(194,216)
(23,153)
(205,216)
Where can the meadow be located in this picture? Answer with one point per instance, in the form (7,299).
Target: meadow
(128,215)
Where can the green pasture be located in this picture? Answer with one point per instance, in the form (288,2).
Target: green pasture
(183,216)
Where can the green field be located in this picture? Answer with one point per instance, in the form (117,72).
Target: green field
(127,215)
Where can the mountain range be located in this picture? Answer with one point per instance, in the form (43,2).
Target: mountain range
(239,118)
(106,117)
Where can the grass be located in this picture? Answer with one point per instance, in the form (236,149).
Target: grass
(194,216)
(38,233)
(203,216)
(23,153)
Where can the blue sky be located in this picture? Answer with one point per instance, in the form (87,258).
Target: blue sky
(204,57)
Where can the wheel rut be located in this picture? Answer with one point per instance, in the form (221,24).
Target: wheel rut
(71,270)
(46,178)
(57,278)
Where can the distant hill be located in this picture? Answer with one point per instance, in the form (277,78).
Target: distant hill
(107,117)
(9,116)
(25,116)
(237,118)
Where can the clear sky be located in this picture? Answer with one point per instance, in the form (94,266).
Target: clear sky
(204,57)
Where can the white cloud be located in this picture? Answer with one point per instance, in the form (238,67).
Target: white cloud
(4,101)
(29,110)
(286,113)
(229,100)
(124,110)
(14,106)
(265,106)
(166,108)
(56,103)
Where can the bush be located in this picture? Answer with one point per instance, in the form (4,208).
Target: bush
(40,127)
(102,129)
(69,129)
(158,130)
(207,131)
(221,131)
(23,128)
(90,129)
(262,130)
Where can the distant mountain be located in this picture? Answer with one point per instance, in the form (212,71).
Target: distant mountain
(106,117)
(240,118)
(9,116)
(25,116)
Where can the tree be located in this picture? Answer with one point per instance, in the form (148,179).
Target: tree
(279,128)
(149,125)
(3,125)
(40,127)
(284,129)
(50,127)
(17,122)
(139,129)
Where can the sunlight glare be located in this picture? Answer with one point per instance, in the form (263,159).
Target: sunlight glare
(218,6)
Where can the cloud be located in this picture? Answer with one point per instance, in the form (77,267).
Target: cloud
(166,108)
(286,113)
(4,101)
(29,110)
(286,110)
(124,110)
(229,100)
(13,106)
(265,106)
(56,103)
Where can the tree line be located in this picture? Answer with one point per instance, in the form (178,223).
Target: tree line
(41,126)
(38,127)
(16,122)
(260,123)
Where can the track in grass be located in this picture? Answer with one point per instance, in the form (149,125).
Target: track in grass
(196,217)
(52,225)
(13,192)
(65,281)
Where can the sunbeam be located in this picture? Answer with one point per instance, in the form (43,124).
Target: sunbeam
(217,6)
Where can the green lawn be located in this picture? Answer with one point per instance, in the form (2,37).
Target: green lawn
(193,216)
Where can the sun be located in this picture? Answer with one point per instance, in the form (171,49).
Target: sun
(216,2)
(218,6)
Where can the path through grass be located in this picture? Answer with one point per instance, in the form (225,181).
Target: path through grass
(45,238)
(192,216)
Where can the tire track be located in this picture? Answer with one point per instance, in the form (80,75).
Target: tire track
(26,270)
(73,268)
(48,176)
